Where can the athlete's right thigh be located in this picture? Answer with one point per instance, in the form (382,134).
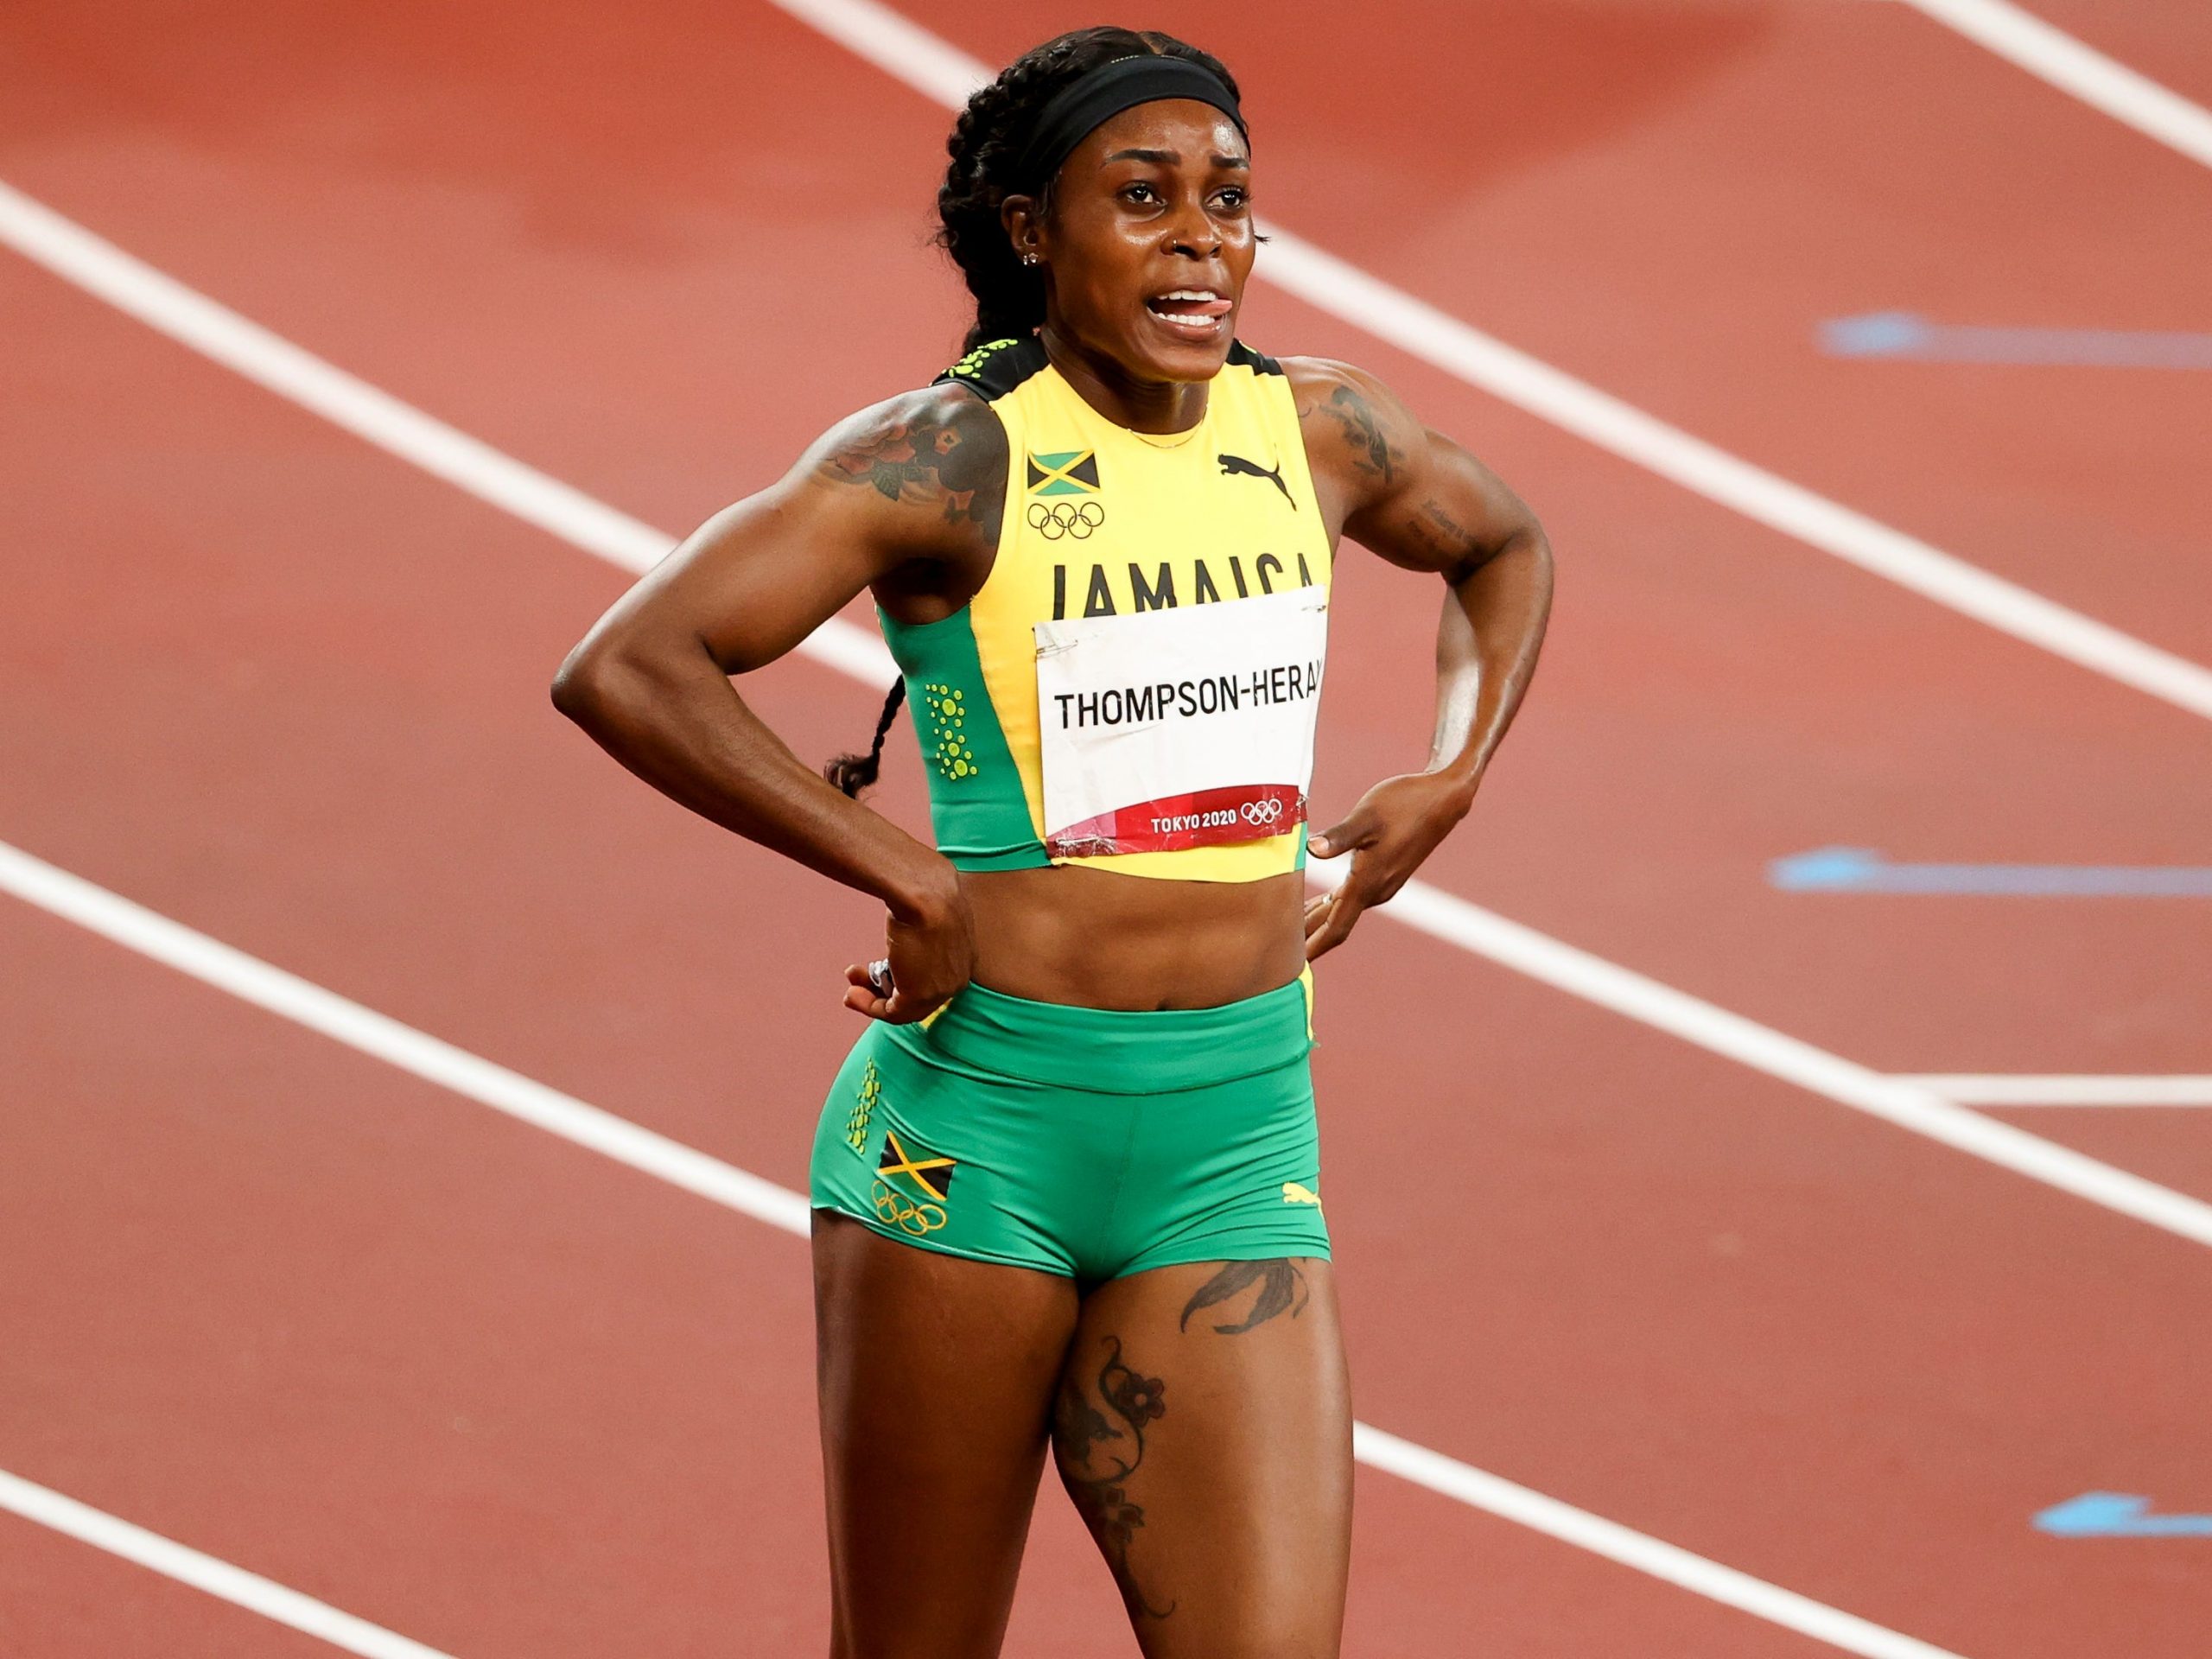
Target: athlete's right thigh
(936,1376)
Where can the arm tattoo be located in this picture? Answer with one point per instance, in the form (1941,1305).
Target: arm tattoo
(1096,1460)
(1372,450)
(1283,1287)
(1457,551)
(958,458)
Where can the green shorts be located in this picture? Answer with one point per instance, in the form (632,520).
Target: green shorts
(1090,1142)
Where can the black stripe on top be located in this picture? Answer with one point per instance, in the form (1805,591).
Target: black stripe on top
(997,368)
(1244,357)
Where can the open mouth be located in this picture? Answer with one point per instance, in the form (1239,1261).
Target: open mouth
(1192,313)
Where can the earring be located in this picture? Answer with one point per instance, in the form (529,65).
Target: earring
(1028,259)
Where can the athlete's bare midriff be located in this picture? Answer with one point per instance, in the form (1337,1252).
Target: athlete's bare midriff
(1102,940)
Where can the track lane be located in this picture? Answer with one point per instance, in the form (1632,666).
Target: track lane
(61,1599)
(2037,987)
(546,1526)
(1608,214)
(275,654)
(1891,1372)
(2174,1139)
(380,883)
(841,733)
(568,515)
(2071,65)
(426,1365)
(1871,748)
(2165,40)
(358,410)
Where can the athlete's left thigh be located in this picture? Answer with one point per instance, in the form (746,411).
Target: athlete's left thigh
(1203,1428)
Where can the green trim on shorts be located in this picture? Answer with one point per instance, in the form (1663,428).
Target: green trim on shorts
(1088,1142)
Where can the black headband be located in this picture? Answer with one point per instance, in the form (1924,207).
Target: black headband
(1080,108)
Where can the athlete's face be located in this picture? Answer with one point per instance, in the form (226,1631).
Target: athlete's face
(1148,242)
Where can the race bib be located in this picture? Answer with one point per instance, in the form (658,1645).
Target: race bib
(1180,728)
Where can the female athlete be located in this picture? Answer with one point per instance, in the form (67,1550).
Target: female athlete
(1066,1188)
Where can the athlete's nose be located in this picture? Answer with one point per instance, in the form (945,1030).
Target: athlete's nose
(1192,231)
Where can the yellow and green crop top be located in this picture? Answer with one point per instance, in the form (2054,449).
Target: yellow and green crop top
(1134,686)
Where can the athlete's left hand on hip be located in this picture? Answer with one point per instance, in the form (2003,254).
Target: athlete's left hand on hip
(1394,827)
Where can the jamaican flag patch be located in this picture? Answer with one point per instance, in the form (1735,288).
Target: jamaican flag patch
(932,1174)
(1073,472)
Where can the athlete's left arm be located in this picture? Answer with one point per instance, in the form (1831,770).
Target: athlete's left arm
(1413,496)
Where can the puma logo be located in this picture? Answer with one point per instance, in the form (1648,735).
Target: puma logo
(1295,1193)
(1231,466)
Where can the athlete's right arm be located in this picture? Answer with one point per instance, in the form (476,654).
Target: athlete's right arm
(905,496)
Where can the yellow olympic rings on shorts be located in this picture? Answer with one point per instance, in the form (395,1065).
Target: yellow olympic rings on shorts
(909,1217)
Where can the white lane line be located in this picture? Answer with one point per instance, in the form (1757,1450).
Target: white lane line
(125,923)
(220,1579)
(2050,54)
(907,53)
(1895,1100)
(270,361)
(1629,1547)
(343,1020)
(1322,280)
(1420,330)
(1999,1088)
(586,523)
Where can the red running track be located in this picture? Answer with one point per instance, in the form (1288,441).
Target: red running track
(313,1317)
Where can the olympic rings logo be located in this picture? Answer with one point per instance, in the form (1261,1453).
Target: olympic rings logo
(1265,811)
(908,1217)
(1076,519)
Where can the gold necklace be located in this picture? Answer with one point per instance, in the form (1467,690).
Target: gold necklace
(1167,439)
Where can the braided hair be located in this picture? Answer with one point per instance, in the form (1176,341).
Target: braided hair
(855,773)
(986,148)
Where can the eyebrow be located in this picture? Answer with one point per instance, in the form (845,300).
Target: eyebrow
(1172,158)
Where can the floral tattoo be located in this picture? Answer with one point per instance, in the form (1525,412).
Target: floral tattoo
(957,458)
(1096,1460)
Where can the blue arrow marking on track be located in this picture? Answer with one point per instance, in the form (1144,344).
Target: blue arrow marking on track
(1861,869)
(2117,1515)
(1900,334)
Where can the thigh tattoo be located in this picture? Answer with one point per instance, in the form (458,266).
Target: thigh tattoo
(1098,1459)
(1282,1289)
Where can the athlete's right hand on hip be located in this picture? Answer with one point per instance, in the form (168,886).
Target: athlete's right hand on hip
(930,955)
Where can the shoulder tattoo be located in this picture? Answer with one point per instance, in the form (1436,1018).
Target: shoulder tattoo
(932,453)
(1372,452)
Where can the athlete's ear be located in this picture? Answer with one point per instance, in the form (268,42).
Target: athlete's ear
(1024,218)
